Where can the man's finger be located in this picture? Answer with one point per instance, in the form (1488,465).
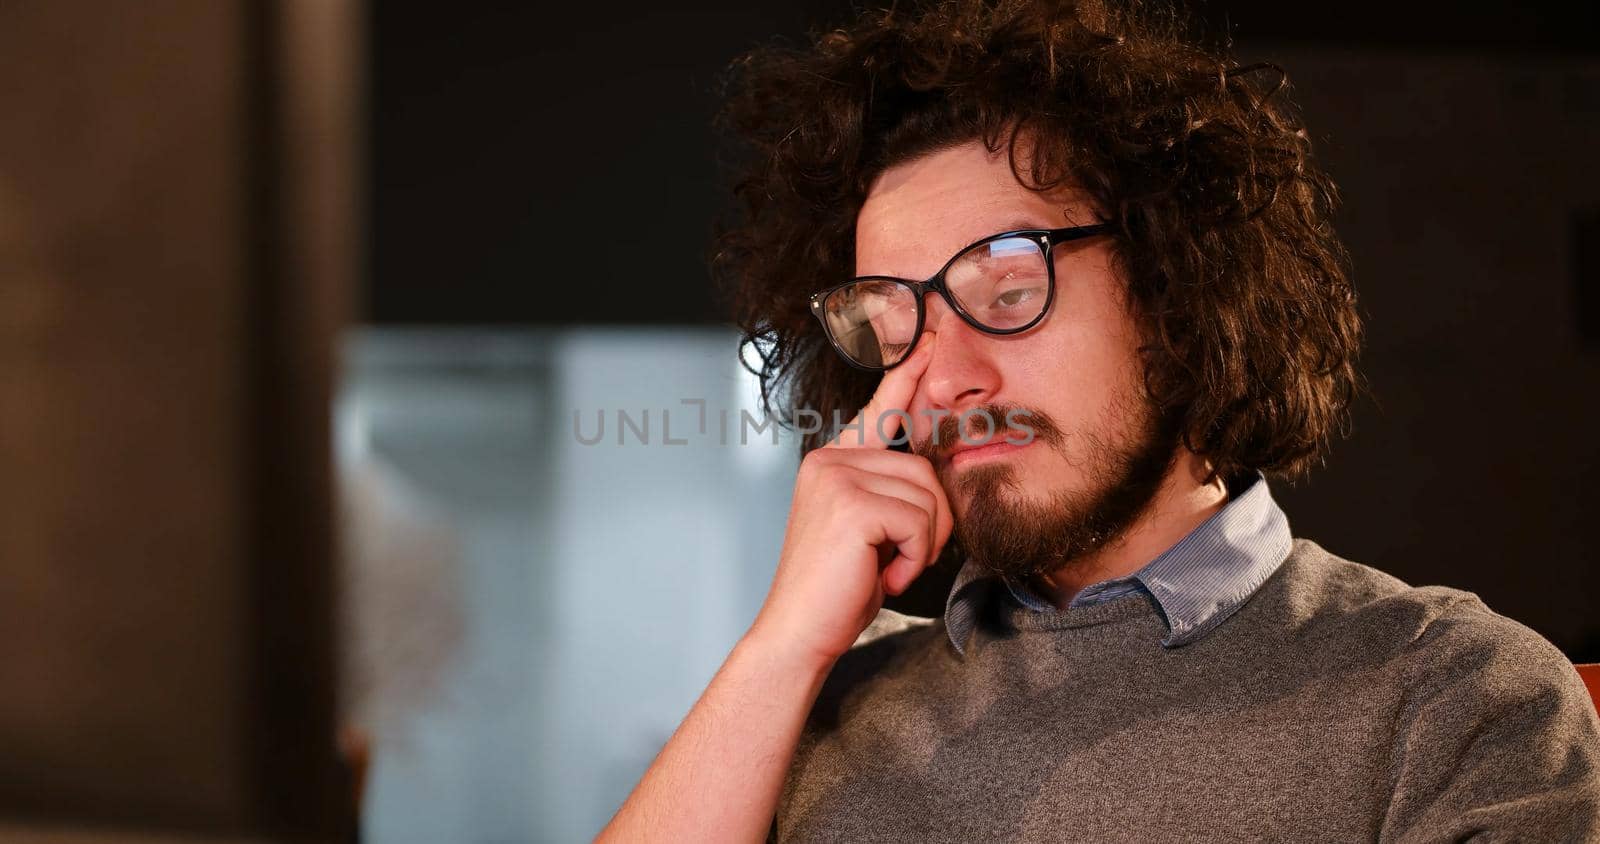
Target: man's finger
(878,424)
(915,469)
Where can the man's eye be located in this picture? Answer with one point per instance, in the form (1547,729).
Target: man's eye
(1015,296)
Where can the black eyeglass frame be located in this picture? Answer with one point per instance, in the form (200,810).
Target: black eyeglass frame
(1047,238)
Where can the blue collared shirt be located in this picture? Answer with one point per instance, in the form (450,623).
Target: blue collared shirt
(1197,583)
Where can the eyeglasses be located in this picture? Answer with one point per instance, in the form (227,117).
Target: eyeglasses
(1002,284)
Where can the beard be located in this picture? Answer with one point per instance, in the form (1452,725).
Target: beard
(1008,532)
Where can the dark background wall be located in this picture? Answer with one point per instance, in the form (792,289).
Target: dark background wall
(527,156)
(1466,178)
(523,159)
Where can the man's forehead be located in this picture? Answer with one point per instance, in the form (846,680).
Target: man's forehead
(920,212)
(914,241)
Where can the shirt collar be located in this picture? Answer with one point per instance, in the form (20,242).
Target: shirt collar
(1198,582)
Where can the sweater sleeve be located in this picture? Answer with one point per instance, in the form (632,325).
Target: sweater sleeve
(1496,737)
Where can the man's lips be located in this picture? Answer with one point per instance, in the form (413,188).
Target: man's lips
(965,453)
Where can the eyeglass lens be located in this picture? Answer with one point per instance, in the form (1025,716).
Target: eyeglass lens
(1001,284)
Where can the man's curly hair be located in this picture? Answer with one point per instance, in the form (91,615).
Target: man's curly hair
(1220,215)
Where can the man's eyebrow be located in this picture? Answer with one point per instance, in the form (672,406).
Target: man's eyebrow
(1063,217)
(1023,224)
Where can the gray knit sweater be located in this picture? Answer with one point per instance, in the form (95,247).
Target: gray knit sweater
(1338,704)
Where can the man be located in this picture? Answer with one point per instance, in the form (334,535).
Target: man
(1088,269)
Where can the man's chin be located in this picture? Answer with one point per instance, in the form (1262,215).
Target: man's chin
(1014,524)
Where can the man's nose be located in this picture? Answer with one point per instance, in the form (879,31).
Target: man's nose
(961,373)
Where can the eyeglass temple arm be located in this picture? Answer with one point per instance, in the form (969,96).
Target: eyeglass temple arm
(1077,232)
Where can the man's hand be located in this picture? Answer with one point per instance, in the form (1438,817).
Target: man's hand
(865,522)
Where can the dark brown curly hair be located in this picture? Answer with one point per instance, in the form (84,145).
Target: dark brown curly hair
(1221,216)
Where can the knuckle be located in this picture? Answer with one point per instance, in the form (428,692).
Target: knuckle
(840,478)
(911,516)
(815,463)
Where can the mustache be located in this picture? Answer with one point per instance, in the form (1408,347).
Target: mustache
(986,423)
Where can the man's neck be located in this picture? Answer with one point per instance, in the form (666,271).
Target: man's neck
(1182,503)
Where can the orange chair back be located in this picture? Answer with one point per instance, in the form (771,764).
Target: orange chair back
(1591,678)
